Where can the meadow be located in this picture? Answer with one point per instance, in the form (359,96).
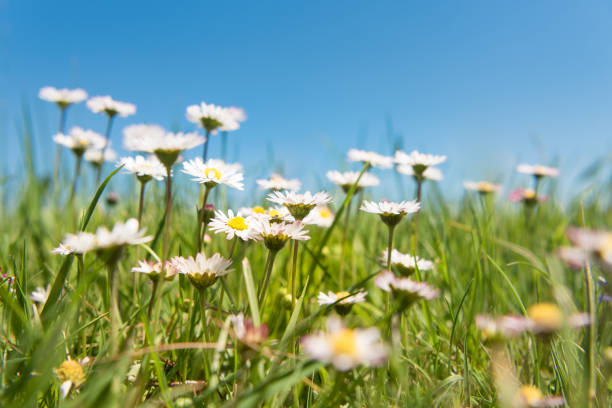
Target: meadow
(174,296)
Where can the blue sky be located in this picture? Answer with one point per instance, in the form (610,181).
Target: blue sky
(488,83)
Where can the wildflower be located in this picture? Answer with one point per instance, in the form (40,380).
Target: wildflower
(234,116)
(482,187)
(154,270)
(538,170)
(430,173)
(145,168)
(348,178)
(139,137)
(299,205)
(213,172)
(106,104)
(531,397)
(405,290)
(527,196)
(346,348)
(40,294)
(343,301)
(374,159)
(232,225)
(62,250)
(247,333)
(62,97)
(320,216)
(112,199)
(597,243)
(278,182)
(390,213)
(501,328)
(97,156)
(406,264)
(201,271)
(79,140)
(71,375)
(416,164)
(276,234)
(168,147)
(211,117)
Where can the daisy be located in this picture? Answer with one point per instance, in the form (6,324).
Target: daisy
(154,270)
(278,182)
(106,104)
(483,187)
(320,216)
(538,170)
(138,137)
(201,271)
(343,301)
(430,173)
(62,250)
(348,178)
(40,294)
(247,333)
(498,329)
(597,243)
(405,290)
(374,159)
(71,375)
(168,146)
(531,397)
(276,234)
(234,117)
(78,243)
(79,140)
(418,161)
(145,168)
(546,319)
(406,264)
(122,234)
(210,116)
(97,156)
(62,97)
(232,225)
(390,213)
(213,173)
(299,205)
(526,196)
(346,348)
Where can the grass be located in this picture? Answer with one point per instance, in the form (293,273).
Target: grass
(490,257)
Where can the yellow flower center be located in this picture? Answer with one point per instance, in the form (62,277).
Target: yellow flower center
(237,223)
(344,342)
(325,213)
(71,370)
(342,294)
(546,315)
(211,172)
(529,193)
(530,394)
(259,210)
(274,213)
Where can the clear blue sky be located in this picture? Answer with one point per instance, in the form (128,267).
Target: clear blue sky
(489,83)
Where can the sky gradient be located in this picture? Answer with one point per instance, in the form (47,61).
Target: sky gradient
(489,84)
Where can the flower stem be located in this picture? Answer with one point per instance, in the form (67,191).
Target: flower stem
(77,172)
(343,246)
(264,286)
(58,155)
(201,231)
(166,248)
(390,246)
(205,152)
(294,272)
(205,330)
(141,202)
(113,285)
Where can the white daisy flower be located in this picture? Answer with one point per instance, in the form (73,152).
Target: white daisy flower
(406,290)
(538,170)
(232,225)
(168,146)
(62,250)
(213,172)
(278,182)
(418,160)
(201,271)
(251,211)
(406,263)
(526,195)
(320,216)
(71,375)
(346,348)
(348,178)
(78,140)
(234,117)
(106,104)
(595,242)
(40,294)
(343,301)
(390,213)
(97,156)
(211,117)
(154,269)
(483,187)
(247,332)
(276,234)
(139,137)
(144,168)
(299,205)
(496,329)
(430,173)
(128,233)
(62,97)
(375,159)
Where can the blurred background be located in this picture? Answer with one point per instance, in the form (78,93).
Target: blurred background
(489,84)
